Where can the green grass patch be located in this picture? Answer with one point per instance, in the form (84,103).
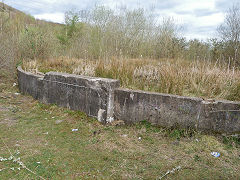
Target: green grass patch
(42,137)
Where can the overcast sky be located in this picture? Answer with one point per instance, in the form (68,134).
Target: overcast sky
(198,17)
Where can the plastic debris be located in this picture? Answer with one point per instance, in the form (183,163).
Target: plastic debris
(139,138)
(38,162)
(215,154)
(124,135)
(17,152)
(171,171)
(74,130)
(58,121)
(46,133)
(16,93)
(14,84)
(10,158)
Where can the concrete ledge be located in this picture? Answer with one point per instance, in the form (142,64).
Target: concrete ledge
(102,98)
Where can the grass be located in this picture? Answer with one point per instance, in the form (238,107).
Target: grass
(41,136)
(200,79)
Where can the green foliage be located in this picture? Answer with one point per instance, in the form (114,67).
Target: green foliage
(197,50)
(70,28)
(36,42)
(197,158)
(232,140)
(177,134)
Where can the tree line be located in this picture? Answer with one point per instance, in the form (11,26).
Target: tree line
(102,33)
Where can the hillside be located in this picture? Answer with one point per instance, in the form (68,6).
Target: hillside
(5,7)
(14,25)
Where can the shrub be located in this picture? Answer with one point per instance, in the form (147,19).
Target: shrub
(36,42)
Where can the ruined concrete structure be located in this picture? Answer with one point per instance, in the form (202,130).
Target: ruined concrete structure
(102,98)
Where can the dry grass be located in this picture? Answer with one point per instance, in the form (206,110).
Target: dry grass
(180,77)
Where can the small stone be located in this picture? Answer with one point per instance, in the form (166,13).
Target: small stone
(176,143)
(58,121)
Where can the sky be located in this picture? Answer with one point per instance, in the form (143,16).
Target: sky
(199,18)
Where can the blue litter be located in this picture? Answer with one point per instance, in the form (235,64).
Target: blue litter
(215,154)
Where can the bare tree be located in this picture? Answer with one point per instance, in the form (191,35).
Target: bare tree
(229,31)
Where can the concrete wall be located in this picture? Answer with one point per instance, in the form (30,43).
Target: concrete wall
(171,110)
(93,96)
(102,98)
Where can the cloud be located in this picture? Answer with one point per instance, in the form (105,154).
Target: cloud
(204,12)
(49,6)
(54,17)
(224,5)
(200,18)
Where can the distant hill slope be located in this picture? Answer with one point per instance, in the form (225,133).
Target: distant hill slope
(13,12)
(5,7)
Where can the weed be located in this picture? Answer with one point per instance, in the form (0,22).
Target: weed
(197,158)
(232,140)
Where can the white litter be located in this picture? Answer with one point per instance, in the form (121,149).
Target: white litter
(139,138)
(74,130)
(14,84)
(16,93)
(171,171)
(215,154)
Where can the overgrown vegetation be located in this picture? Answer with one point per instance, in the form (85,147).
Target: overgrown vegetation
(174,76)
(130,45)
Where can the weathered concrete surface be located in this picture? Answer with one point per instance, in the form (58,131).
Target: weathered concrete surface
(101,98)
(176,111)
(220,116)
(29,83)
(88,94)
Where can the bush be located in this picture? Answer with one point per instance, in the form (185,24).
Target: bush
(37,43)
